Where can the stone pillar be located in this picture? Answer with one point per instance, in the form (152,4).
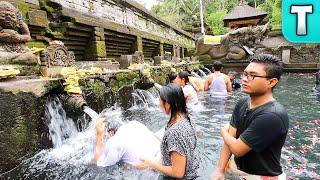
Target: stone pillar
(161,49)
(178,51)
(96,49)
(125,61)
(139,44)
(174,50)
(286,56)
(157,60)
(182,52)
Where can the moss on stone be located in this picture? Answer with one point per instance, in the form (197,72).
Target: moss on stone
(160,75)
(20,122)
(101,49)
(37,44)
(23,7)
(132,75)
(123,79)
(45,6)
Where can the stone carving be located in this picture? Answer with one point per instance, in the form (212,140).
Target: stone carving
(234,45)
(57,55)
(14,33)
(138,57)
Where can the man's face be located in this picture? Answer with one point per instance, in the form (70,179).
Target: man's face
(232,77)
(255,85)
(178,81)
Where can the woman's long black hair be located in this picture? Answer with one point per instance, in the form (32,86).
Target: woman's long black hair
(173,95)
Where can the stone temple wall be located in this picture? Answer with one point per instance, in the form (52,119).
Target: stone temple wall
(126,13)
(102,29)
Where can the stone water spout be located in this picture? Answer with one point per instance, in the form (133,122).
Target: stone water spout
(74,101)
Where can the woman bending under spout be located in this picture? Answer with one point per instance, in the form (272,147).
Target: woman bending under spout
(179,158)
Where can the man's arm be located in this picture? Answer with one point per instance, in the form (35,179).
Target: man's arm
(225,155)
(229,84)
(100,134)
(236,146)
(207,83)
(194,85)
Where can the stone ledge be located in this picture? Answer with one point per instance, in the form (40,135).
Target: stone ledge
(39,87)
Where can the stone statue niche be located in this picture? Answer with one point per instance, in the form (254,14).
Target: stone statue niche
(235,45)
(14,33)
(54,58)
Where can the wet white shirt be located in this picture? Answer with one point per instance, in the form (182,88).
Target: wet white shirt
(131,142)
(191,94)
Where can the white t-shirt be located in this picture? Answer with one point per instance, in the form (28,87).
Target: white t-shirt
(191,94)
(131,142)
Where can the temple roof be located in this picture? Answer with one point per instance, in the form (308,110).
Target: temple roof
(244,11)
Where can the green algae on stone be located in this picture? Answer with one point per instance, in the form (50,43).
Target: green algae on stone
(37,44)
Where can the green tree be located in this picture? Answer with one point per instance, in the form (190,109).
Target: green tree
(186,13)
(215,13)
(215,20)
(273,8)
(177,11)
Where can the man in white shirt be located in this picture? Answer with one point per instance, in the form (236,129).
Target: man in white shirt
(127,142)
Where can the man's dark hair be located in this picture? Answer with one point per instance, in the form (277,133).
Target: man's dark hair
(272,64)
(232,73)
(184,75)
(217,65)
(172,76)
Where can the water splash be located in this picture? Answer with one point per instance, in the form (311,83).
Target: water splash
(196,75)
(202,74)
(60,127)
(208,70)
(145,98)
(90,112)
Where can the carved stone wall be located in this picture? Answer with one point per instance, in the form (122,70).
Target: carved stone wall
(126,13)
(79,24)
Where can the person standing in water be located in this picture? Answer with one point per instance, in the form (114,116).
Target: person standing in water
(178,146)
(259,124)
(234,82)
(218,83)
(196,83)
(189,92)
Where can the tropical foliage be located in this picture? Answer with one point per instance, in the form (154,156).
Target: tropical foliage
(186,13)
